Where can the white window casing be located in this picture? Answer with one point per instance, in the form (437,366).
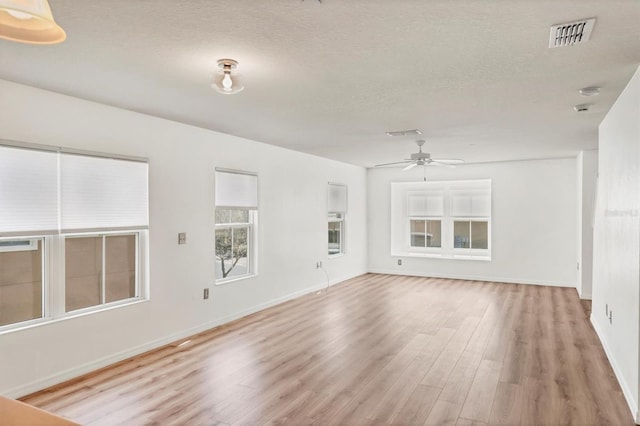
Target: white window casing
(238,190)
(337,206)
(444,201)
(48,194)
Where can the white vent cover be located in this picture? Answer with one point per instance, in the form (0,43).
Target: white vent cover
(571,33)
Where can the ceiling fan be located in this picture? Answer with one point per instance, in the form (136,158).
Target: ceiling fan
(423,159)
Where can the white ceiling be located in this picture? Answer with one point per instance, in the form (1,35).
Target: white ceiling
(330,78)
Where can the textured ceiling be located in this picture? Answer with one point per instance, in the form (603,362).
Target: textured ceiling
(330,78)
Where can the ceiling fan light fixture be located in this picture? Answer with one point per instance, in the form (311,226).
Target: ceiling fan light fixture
(226,80)
(29,21)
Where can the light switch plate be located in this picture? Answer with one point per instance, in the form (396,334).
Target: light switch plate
(182,238)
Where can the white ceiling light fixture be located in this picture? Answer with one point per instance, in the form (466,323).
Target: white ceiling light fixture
(29,21)
(226,80)
(589,91)
(396,133)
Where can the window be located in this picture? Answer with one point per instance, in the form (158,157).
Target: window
(72,234)
(235,224)
(21,281)
(470,234)
(425,210)
(233,239)
(100,269)
(336,227)
(337,208)
(448,219)
(426,233)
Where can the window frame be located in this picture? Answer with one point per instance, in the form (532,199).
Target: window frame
(103,303)
(401,207)
(337,207)
(251,244)
(425,248)
(53,250)
(337,217)
(471,250)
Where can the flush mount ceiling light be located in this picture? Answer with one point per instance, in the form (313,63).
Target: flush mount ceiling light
(582,107)
(413,132)
(590,91)
(226,81)
(29,21)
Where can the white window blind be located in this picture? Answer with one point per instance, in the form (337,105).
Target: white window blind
(102,193)
(471,205)
(28,192)
(425,204)
(337,198)
(236,190)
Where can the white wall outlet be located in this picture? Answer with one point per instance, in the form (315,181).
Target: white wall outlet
(206,294)
(399,262)
(182,238)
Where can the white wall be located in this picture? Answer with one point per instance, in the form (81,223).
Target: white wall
(533,223)
(616,252)
(587,173)
(292,232)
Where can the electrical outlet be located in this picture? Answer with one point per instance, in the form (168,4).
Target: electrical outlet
(182,238)
(206,293)
(399,262)
(319,264)
(610,316)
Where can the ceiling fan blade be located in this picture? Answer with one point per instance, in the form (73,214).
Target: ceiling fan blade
(449,160)
(409,167)
(392,164)
(440,163)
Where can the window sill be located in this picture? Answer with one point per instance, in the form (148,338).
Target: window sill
(39,322)
(485,258)
(333,256)
(234,279)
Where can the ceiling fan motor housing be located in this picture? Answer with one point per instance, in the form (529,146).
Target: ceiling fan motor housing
(420,156)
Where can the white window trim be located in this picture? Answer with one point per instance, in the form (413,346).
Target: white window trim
(343,227)
(53,286)
(401,221)
(425,250)
(53,252)
(252,252)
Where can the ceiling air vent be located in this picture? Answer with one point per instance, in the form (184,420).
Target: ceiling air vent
(571,33)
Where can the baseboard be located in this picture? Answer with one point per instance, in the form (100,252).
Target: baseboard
(80,370)
(633,406)
(471,277)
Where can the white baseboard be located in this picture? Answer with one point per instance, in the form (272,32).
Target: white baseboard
(471,277)
(633,405)
(80,370)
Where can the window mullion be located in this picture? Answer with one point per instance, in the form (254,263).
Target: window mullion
(103,277)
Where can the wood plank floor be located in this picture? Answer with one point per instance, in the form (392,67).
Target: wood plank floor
(376,349)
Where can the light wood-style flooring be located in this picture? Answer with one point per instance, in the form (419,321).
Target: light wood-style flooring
(376,349)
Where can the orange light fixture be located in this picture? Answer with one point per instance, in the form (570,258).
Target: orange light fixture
(29,21)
